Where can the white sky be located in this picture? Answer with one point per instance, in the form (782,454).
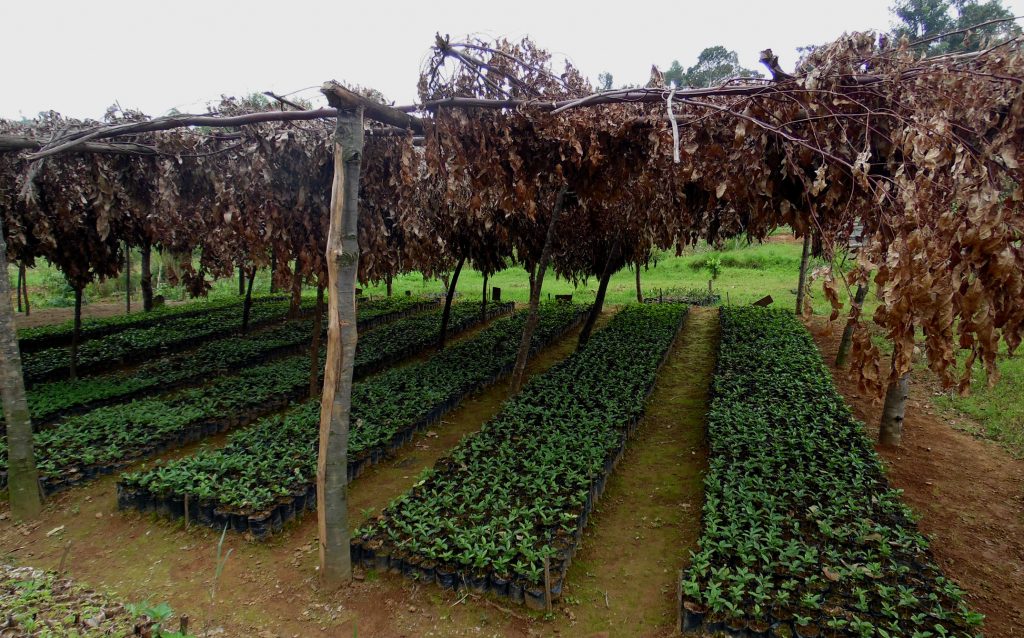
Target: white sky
(80,56)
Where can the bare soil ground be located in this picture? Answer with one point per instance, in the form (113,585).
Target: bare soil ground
(968,491)
(97,310)
(266,589)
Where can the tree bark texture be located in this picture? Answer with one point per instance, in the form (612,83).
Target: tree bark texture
(273,270)
(146,280)
(22,477)
(446,315)
(247,305)
(76,334)
(890,430)
(388,280)
(241,281)
(21,279)
(314,352)
(336,399)
(483,302)
(595,310)
(639,291)
(533,316)
(802,283)
(295,307)
(847,340)
(127,279)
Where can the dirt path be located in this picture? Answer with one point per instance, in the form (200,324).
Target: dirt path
(969,493)
(649,516)
(97,310)
(269,589)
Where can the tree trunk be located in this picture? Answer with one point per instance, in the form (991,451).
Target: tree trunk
(533,317)
(127,279)
(76,333)
(21,280)
(639,291)
(446,315)
(273,270)
(336,399)
(22,476)
(387,282)
(483,302)
(146,281)
(295,307)
(595,310)
(241,281)
(802,284)
(247,305)
(890,430)
(847,340)
(314,352)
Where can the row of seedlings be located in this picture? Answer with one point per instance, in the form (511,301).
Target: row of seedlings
(514,499)
(49,402)
(60,334)
(109,438)
(266,475)
(139,344)
(802,534)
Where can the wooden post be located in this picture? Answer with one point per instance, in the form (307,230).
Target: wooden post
(639,291)
(802,283)
(247,305)
(890,429)
(602,288)
(24,287)
(21,279)
(76,334)
(314,351)
(336,399)
(847,340)
(483,301)
(446,315)
(22,476)
(533,317)
(146,280)
(273,270)
(295,307)
(127,279)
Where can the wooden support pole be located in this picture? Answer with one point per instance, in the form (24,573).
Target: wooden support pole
(247,305)
(21,281)
(127,279)
(336,398)
(273,270)
(76,333)
(533,317)
(890,430)
(483,301)
(801,288)
(146,280)
(22,477)
(446,315)
(295,307)
(847,340)
(639,291)
(602,289)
